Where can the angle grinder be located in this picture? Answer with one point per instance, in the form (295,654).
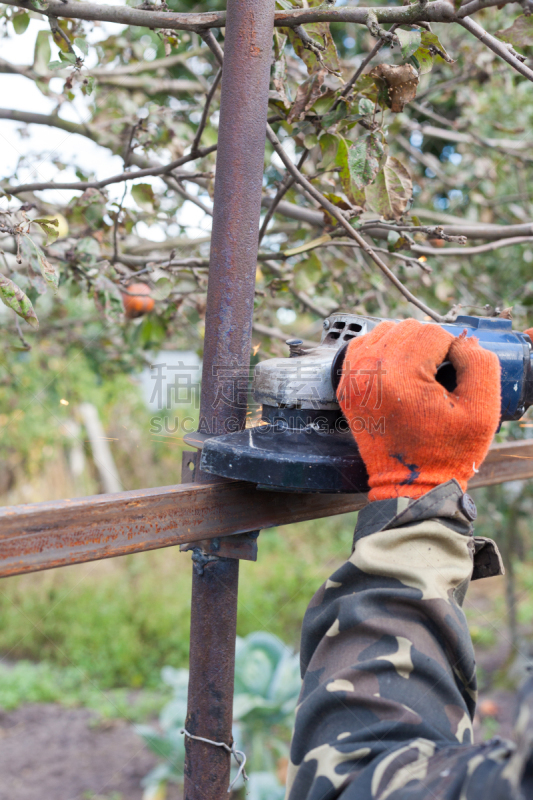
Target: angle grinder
(303,443)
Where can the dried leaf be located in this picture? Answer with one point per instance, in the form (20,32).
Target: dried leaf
(13,297)
(143,194)
(400,82)
(391,192)
(520,34)
(308,245)
(278,79)
(307,93)
(319,32)
(340,203)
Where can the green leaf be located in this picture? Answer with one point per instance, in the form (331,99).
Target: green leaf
(365,106)
(391,192)
(42,53)
(143,194)
(307,273)
(409,42)
(82,45)
(338,113)
(430,48)
(48,271)
(45,225)
(352,191)
(520,34)
(68,58)
(88,251)
(162,289)
(20,22)
(54,65)
(13,297)
(364,159)
(329,144)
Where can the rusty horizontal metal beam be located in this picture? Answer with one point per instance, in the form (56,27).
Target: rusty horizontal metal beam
(47,535)
(508,461)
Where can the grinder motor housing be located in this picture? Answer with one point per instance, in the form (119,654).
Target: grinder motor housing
(304,443)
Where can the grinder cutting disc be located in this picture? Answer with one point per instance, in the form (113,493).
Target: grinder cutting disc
(304,460)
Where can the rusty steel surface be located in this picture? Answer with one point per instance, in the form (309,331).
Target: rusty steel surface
(55,534)
(41,536)
(236,211)
(212,666)
(226,358)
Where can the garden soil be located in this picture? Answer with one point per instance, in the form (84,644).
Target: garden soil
(48,752)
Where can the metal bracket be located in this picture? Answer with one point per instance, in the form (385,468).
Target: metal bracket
(241,545)
(189,465)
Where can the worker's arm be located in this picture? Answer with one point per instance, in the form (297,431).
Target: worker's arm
(388,666)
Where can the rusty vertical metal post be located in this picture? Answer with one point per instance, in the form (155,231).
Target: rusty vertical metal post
(228,335)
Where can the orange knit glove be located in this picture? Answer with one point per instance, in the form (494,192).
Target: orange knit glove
(411,432)
(529,333)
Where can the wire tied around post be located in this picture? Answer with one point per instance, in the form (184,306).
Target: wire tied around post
(238,755)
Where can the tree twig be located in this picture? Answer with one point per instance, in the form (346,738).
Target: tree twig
(471,251)
(213,45)
(286,183)
(191,198)
(205,112)
(436,11)
(123,176)
(352,233)
(496,46)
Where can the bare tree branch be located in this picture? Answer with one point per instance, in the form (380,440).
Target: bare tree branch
(151,85)
(335,212)
(496,46)
(147,66)
(51,120)
(471,251)
(214,46)
(436,11)
(205,112)
(276,333)
(191,198)
(123,176)
(507,146)
(428,251)
(285,185)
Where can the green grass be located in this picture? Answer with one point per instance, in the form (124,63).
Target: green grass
(119,621)
(26,682)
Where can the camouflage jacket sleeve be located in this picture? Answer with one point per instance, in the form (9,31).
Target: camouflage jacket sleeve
(389,683)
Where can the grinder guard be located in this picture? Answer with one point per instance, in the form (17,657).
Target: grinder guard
(304,444)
